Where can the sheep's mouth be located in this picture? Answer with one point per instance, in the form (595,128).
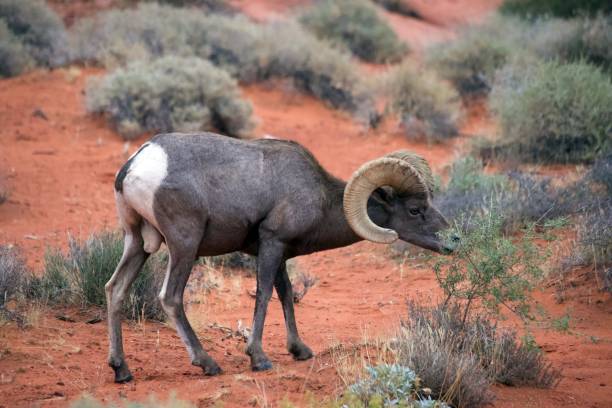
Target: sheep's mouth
(445,247)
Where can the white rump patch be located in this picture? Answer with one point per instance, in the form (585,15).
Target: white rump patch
(146,173)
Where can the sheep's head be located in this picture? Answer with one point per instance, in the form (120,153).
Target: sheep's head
(405,183)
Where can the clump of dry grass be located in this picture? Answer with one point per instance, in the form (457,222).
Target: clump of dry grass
(13,273)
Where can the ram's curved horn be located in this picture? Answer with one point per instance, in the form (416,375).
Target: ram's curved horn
(392,171)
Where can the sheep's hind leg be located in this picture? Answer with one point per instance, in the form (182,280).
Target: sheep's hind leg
(171,296)
(295,345)
(131,262)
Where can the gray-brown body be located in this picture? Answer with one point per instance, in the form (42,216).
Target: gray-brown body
(207,195)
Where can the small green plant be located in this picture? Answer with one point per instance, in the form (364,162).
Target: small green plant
(354,24)
(562,324)
(491,269)
(561,8)
(391,385)
(425,105)
(79,276)
(171,94)
(30,33)
(555,113)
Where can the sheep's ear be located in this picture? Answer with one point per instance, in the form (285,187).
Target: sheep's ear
(385,195)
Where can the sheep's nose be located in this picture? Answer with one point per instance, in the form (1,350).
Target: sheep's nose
(453,243)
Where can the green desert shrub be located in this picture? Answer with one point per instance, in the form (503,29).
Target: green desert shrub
(426,106)
(79,276)
(39,30)
(248,51)
(553,112)
(559,8)
(14,57)
(170,94)
(354,24)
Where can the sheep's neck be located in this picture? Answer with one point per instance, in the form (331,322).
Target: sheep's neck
(334,231)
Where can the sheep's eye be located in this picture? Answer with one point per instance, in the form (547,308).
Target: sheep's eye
(414,211)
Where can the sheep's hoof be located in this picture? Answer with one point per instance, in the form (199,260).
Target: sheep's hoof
(262,365)
(212,370)
(122,373)
(300,351)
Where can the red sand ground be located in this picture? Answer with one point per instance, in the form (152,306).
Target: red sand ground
(61,172)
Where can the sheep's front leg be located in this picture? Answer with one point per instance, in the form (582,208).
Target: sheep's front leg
(295,345)
(269,259)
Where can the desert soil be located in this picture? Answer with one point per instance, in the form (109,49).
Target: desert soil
(60,164)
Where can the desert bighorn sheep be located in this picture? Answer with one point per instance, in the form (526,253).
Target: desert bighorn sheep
(204,194)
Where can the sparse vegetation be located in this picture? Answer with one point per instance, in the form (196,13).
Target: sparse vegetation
(520,198)
(248,51)
(170,94)
(458,360)
(559,113)
(355,25)
(425,105)
(13,272)
(234,260)
(79,276)
(560,8)
(30,34)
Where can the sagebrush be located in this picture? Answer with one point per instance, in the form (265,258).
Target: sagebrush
(553,112)
(426,106)
(473,59)
(14,57)
(171,94)
(30,34)
(470,61)
(247,50)
(355,24)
